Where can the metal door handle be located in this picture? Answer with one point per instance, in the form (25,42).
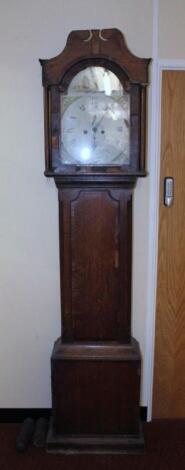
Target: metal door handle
(168,191)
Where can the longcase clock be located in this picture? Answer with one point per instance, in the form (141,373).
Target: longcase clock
(95,113)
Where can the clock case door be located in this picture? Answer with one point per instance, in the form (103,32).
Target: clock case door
(95,357)
(95,262)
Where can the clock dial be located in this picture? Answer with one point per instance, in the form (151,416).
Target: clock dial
(95,130)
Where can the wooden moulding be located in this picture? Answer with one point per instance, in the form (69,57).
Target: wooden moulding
(94,444)
(105,350)
(89,180)
(108,44)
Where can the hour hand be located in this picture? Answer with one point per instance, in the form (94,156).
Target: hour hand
(93,121)
(97,124)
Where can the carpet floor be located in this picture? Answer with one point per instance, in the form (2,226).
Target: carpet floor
(165,450)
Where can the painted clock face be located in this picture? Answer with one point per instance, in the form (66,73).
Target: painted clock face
(95,120)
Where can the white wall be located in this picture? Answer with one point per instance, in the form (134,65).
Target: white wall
(29,264)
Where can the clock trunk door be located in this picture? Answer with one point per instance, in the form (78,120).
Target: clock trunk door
(96,256)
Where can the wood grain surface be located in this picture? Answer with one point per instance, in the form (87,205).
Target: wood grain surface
(169,371)
(96,388)
(95,242)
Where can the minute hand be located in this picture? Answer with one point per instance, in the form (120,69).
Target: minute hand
(96,124)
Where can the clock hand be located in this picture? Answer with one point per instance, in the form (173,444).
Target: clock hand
(94,129)
(96,125)
(94,141)
(94,119)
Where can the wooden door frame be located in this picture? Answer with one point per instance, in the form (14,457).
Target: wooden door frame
(154,171)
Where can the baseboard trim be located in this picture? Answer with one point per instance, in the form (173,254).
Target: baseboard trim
(143,413)
(17,415)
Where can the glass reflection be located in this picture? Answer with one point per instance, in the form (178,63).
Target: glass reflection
(96,79)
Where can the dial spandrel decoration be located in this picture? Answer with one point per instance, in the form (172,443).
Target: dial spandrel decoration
(95,116)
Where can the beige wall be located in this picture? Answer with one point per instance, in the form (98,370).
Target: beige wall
(29,265)
(172,29)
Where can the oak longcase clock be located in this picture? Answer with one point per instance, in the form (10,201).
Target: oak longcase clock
(95,105)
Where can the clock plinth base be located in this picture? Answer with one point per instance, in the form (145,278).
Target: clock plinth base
(95,388)
(95,444)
